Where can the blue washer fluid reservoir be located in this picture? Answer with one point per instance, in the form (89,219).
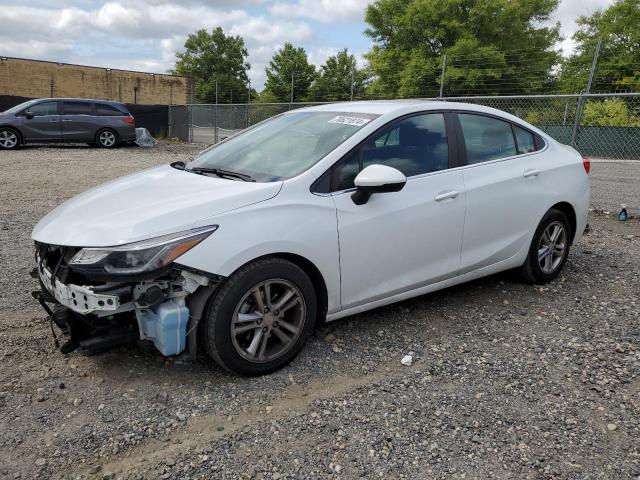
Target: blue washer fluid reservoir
(166,327)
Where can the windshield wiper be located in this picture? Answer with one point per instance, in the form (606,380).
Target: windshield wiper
(222,173)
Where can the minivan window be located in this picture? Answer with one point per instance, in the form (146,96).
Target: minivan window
(104,110)
(486,138)
(284,146)
(77,108)
(43,109)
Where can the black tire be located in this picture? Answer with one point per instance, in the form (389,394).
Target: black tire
(222,309)
(107,138)
(532,271)
(10,138)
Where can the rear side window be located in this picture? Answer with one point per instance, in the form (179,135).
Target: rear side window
(104,110)
(486,138)
(43,109)
(525,140)
(77,108)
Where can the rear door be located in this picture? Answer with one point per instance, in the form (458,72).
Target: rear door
(45,124)
(504,189)
(400,241)
(79,123)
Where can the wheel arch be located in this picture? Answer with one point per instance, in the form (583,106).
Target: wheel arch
(570,212)
(17,130)
(312,271)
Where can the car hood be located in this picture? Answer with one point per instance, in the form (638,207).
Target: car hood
(147,204)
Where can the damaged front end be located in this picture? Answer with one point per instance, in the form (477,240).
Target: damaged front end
(103,297)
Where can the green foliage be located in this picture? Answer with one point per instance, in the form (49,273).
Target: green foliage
(619,62)
(492,46)
(287,61)
(335,77)
(608,113)
(215,57)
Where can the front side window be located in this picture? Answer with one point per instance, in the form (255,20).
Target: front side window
(44,108)
(486,138)
(77,108)
(284,146)
(414,146)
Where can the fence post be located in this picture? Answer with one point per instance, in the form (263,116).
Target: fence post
(190,117)
(215,123)
(581,98)
(444,67)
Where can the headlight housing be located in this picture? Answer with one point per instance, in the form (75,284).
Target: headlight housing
(139,257)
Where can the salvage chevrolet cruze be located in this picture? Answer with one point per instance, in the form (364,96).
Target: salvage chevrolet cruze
(313,215)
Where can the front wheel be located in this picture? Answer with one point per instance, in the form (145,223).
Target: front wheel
(9,139)
(261,317)
(549,248)
(107,138)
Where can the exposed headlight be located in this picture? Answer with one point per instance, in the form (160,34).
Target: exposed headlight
(139,257)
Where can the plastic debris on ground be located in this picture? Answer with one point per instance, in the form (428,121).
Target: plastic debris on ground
(144,138)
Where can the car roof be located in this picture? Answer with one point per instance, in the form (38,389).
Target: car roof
(111,102)
(383,107)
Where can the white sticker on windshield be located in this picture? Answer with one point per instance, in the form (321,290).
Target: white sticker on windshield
(355,121)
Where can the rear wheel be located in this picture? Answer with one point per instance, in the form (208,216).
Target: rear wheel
(9,139)
(549,248)
(261,317)
(107,138)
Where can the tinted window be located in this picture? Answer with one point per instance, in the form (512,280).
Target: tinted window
(345,172)
(486,138)
(525,140)
(44,108)
(105,110)
(414,146)
(77,108)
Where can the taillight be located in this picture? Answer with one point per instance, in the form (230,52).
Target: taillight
(129,121)
(586,164)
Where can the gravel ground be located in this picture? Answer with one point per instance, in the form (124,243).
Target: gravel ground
(508,380)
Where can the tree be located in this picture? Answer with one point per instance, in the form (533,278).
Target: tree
(215,57)
(492,46)
(286,62)
(609,113)
(618,66)
(336,77)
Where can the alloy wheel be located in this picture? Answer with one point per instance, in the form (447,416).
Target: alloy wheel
(268,321)
(552,247)
(8,139)
(107,138)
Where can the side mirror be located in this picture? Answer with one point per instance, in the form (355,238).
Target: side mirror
(377,179)
(28,114)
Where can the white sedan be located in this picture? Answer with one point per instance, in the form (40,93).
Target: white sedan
(315,214)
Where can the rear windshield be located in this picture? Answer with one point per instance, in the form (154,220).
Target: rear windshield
(283,146)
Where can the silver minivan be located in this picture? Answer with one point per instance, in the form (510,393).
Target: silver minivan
(67,120)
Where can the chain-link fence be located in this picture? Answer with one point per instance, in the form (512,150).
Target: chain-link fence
(598,125)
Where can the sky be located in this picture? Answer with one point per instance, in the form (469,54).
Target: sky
(144,35)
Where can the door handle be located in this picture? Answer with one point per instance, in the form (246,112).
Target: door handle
(531,173)
(55,120)
(67,120)
(448,195)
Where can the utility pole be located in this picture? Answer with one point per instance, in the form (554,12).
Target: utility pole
(581,98)
(353,74)
(444,67)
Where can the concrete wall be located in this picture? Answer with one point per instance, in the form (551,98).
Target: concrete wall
(36,79)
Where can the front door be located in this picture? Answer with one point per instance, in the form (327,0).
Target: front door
(400,241)
(45,123)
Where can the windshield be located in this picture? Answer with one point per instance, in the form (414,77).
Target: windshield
(19,107)
(283,146)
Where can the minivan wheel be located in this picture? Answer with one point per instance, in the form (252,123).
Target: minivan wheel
(549,248)
(107,138)
(261,317)
(9,139)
